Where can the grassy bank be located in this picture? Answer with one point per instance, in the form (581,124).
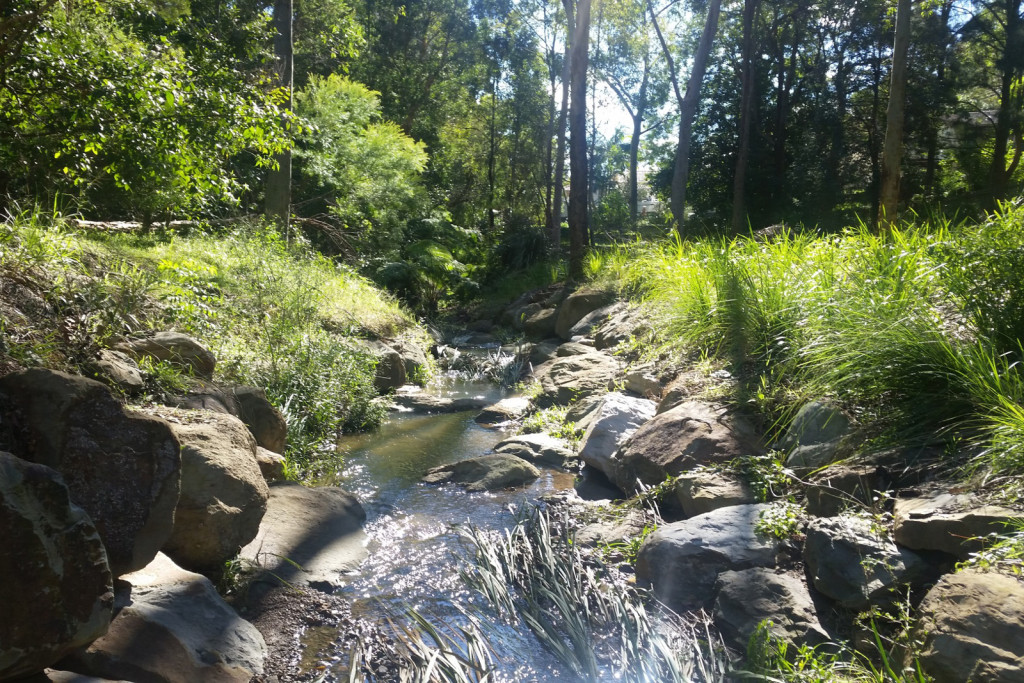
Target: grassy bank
(916,333)
(275,314)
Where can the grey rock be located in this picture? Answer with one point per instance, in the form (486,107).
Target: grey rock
(55,583)
(544,351)
(849,562)
(414,360)
(175,348)
(951,523)
(573,348)
(748,597)
(390,372)
(582,412)
(681,561)
(505,410)
(644,382)
(691,434)
(173,626)
(619,529)
(973,628)
(816,423)
(539,449)
(117,369)
(265,422)
(842,486)
(122,468)
(309,536)
(576,377)
(271,464)
(422,402)
(486,473)
(578,304)
(616,419)
(540,324)
(223,493)
(812,456)
(620,327)
(703,491)
(592,320)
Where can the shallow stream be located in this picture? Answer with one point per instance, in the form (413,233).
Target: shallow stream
(414,549)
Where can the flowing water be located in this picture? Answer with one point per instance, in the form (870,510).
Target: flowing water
(414,550)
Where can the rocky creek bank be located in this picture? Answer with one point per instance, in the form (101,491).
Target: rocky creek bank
(117,521)
(119,516)
(857,529)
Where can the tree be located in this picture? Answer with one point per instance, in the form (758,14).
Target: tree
(892,151)
(739,214)
(578,186)
(279,178)
(687,105)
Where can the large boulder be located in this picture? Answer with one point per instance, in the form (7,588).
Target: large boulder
(272,465)
(173,627)
(539,449)
(813,436)
(505,410)
(855,565)
(175,348)
(122,468)
(705,490)
(540,324)
(973,628)
(265,422)
(618,416)
(622,527)
(485,473)
(572,378)
(249,404)
(223,493)
(691,434)
(836,488)
(588,323)
(390,369)
(55,584)
(118,370)
(429,404)
(952,523)
(622,325)
(749,597)
(681,561)
(578,304)
(309,536)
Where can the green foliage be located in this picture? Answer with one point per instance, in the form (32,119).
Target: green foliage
(766,474)
(781,520)
(119,120)
(369,169)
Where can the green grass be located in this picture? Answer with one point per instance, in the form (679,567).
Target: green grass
(275,314)
(592,620)
(915,332)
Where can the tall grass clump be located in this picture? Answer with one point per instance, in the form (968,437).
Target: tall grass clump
(917,331)
(594,622)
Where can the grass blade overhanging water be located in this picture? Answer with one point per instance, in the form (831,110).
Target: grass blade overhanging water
(594,622)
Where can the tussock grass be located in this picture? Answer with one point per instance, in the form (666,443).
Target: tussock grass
(595,623)
(916,332)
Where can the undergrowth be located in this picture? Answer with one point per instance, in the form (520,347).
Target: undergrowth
(276,315)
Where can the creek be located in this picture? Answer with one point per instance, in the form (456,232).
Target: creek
(415,551)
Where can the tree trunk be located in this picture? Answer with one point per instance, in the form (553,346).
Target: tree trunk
(578,186)
(892,150)
(563,115)
(687,106)
(739,185)
(277,203)
(634,147)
